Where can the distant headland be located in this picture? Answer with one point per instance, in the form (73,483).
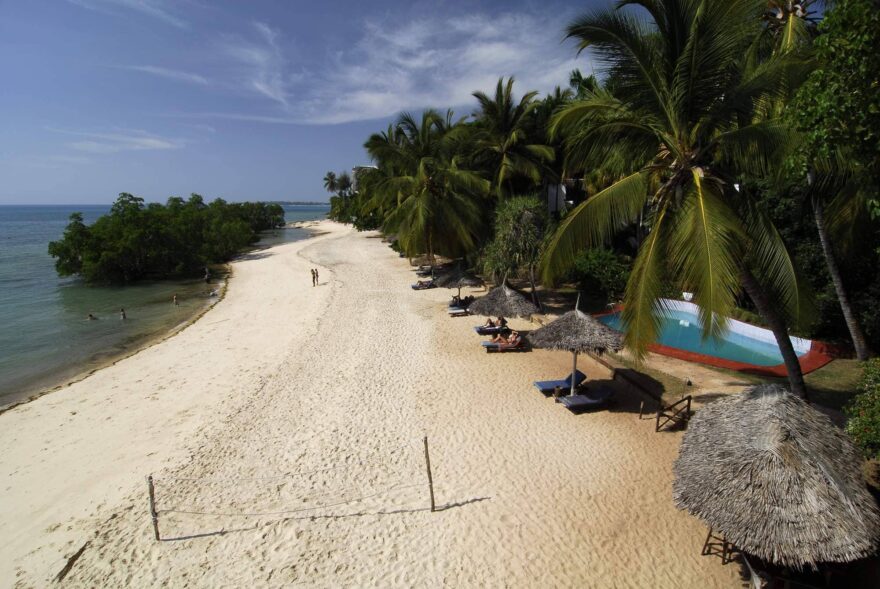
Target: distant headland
(297,202)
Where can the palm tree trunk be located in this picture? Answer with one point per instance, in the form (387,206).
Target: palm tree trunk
(777,326)
(535,299)
(852,322)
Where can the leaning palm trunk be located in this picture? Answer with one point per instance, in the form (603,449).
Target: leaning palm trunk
(777,326)
(852,323)
(535,299)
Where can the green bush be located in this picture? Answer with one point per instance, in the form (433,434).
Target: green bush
(134,241)
(864,411)
(602,272)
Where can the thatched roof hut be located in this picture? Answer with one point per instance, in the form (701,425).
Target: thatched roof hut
(457,278)
(778,479)
(503,300)
(577,332)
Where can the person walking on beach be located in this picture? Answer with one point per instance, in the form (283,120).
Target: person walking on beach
(122,313)
(317,279)
(312,272)
(174,300)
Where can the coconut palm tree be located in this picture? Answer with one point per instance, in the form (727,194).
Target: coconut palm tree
(677,133)
(437,201)
(330,184)
(503,140)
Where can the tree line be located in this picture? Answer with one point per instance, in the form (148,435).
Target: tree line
(135,241)
(731,150)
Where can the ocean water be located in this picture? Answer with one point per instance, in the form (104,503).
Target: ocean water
(682,330)
(45,336)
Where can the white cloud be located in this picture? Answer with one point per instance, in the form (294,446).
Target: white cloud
(152,8)
(414,64)
(118,140)
(438,63)
(169,73)
(260,62)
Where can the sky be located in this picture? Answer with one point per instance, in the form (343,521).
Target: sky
(251,100)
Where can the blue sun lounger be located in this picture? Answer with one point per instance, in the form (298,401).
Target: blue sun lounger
(548,386)
(593,400)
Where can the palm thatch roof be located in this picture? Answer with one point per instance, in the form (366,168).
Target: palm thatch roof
(778,479)
(577,332)
(456,279)
(503,300)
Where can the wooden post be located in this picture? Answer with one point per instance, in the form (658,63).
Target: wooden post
(430,478)
(153,513)
(641,408)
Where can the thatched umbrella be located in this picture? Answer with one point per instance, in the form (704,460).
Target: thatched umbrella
(457,279)
(577,332)
(778,479)
(503,300)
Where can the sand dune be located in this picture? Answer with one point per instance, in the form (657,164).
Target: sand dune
(284,430)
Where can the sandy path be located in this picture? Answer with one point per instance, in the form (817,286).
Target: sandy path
(348,378)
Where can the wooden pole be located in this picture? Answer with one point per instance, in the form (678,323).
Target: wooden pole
(153,513)
(641,408)
(430,478)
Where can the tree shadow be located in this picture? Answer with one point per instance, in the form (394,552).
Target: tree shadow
(255,255)
(313,517)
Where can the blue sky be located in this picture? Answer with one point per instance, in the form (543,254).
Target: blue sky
(243,100)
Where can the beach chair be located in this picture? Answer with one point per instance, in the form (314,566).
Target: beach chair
(590,400)
(457,312)
(517,347)
(548,386)
(483,330)
(424,285)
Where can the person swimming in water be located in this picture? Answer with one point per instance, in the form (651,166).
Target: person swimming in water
(91,317)
(122,313)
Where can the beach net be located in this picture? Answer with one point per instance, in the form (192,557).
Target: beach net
(391,480)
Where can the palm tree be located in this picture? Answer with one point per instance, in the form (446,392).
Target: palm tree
(503,140)
(677,133)
(847,204)
(330,184)
(343,184)
(436,209)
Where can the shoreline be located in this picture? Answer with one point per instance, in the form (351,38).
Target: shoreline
(140,343)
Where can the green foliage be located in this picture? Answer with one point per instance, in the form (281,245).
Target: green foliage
(681,118)
(602,272)
(520,226)
(864,411)
(838,108)
(134,241)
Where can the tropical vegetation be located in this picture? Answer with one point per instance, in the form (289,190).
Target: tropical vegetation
(725,149)
(864,411)
(135,241)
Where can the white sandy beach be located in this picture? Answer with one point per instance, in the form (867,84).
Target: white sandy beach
(324,394)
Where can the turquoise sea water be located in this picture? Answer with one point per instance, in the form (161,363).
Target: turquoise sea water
(682,330)
(45,337)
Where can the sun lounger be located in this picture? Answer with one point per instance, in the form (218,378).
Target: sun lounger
(493,347)
(548,386)
(483,330)
(592,400)
(456,312)
(424,286)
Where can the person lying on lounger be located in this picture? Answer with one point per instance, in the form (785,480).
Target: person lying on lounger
(489,323)
(511,340)
(501,322)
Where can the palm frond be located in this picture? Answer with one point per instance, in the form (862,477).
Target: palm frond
(643,310)
(594,222)
(705,252)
